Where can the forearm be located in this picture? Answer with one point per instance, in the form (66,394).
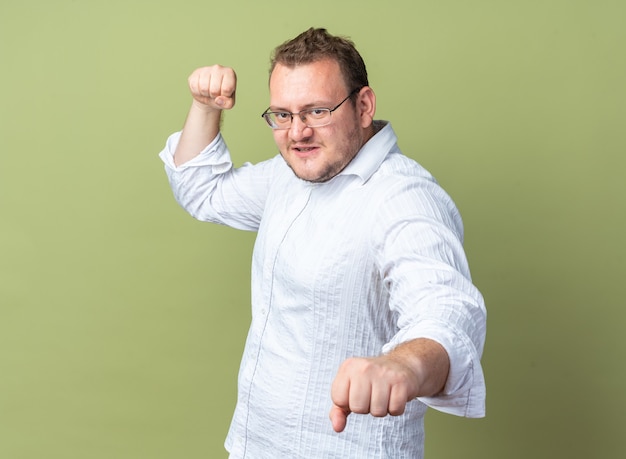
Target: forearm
(201,127)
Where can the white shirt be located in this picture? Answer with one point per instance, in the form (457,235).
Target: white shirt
(351,267)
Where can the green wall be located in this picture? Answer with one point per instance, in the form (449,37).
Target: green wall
(122,320)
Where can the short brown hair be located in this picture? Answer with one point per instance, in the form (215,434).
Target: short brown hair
(314,45)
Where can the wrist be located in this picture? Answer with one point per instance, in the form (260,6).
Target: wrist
(427,360)
(205,109)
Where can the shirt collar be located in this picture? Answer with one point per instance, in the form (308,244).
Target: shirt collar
(373,153)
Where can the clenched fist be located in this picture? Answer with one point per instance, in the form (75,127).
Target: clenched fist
(213,87)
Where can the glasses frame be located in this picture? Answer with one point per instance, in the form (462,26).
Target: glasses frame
(274,126)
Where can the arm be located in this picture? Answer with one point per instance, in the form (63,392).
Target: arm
(198,163)
(441,318)
(383,385)
(213,90)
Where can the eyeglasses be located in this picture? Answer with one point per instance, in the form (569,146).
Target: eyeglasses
(311,117)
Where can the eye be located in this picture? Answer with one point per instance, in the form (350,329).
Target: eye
(318,112)
(281,117)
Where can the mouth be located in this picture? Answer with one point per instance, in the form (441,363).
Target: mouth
(304,151)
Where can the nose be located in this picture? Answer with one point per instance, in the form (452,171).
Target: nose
(298,130)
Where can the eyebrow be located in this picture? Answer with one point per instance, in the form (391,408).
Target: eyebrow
(304,107)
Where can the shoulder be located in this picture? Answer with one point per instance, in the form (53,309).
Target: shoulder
(406,191)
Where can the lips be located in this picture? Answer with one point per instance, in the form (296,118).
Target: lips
(304,151)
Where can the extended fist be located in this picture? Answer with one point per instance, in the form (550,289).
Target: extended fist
(214,87)
(379,386)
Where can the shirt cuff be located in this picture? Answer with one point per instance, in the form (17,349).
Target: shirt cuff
(214,154)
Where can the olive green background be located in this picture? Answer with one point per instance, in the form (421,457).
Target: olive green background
(122,319)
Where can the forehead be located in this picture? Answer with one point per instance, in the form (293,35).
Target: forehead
(305,84)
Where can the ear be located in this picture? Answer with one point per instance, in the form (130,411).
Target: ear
(366,106)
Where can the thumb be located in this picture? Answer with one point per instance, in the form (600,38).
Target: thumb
(338,417)
(225,102)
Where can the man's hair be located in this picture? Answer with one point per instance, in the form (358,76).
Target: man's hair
(315,45)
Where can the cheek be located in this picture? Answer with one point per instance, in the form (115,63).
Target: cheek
(279,138)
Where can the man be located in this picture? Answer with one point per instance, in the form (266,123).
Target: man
(362,304)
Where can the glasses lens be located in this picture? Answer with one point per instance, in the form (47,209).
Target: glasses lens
(278,120)
(268,119)
(316,117)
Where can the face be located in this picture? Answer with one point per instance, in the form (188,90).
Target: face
(318,154)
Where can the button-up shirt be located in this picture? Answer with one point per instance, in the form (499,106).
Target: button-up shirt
(347,268)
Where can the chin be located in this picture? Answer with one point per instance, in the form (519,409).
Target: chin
(318,177)
(313,170)
(310,176)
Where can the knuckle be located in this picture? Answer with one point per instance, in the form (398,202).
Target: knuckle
(396,411)
(378,413)
(359,409)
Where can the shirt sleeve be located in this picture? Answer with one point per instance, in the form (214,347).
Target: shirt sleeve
(210,189)
(431,292)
